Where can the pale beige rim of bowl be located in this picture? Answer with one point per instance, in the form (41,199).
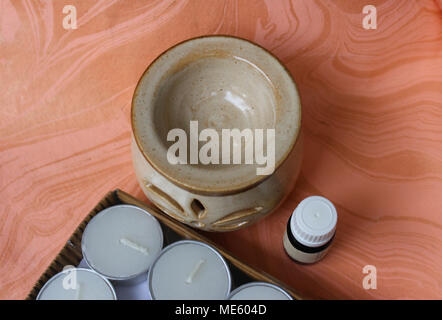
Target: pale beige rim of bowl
(240,187)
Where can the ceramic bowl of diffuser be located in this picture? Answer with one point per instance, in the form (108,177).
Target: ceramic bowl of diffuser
(187,156)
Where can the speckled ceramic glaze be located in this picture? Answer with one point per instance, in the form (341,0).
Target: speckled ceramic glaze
(223,83)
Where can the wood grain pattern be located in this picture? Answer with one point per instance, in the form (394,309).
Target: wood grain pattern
(372,112)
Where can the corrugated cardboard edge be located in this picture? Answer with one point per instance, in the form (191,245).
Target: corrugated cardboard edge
(71,253)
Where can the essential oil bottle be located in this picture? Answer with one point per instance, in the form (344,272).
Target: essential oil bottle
(310,230)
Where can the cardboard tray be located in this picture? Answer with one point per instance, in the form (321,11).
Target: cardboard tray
(173,231)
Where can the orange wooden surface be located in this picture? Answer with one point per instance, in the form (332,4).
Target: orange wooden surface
(372,113)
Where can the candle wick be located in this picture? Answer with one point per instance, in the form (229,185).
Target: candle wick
(77,292)
(194,271)
(135,246)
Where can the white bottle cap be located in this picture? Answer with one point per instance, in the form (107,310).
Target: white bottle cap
(313,223)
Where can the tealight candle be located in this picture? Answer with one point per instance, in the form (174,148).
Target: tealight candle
(121,242)
(310,230)
(77,284)
(189,270)
(259,291)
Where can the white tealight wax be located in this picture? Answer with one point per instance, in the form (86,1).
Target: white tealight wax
(121,242)
(77,284)
(259,291)
(189,270)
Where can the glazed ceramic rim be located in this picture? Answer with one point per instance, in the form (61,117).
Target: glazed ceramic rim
(260,283)
(180,242)
(217,191)
(104,211)
(109,284)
